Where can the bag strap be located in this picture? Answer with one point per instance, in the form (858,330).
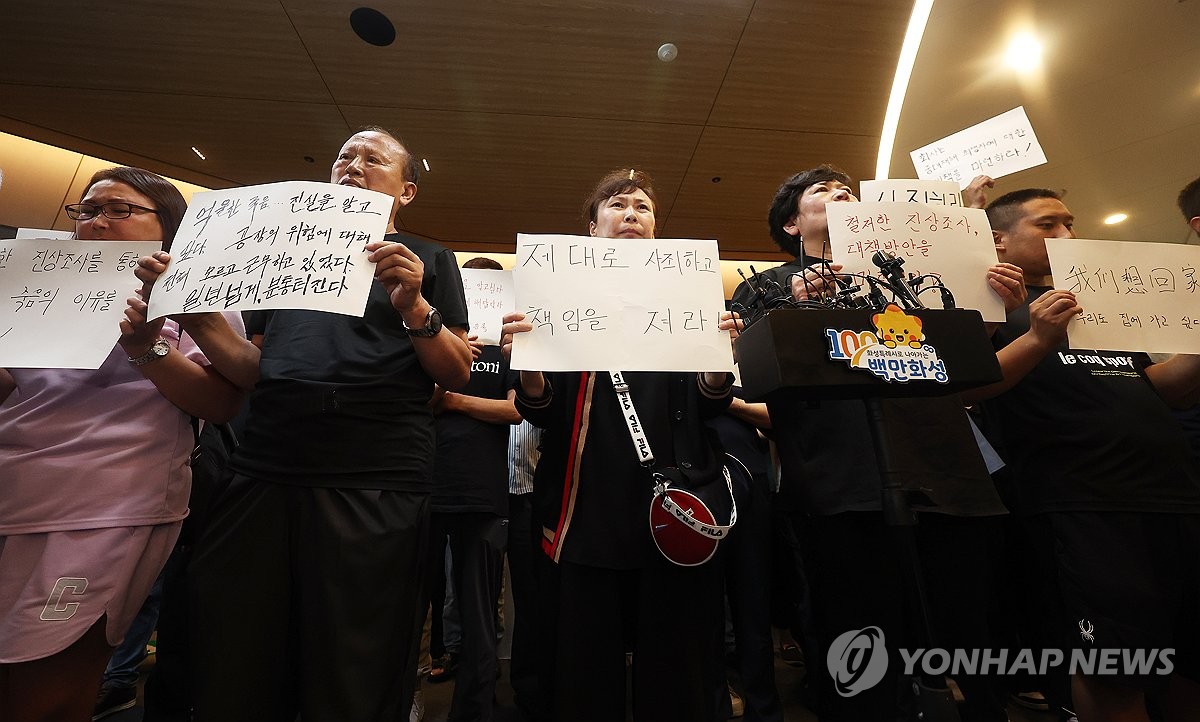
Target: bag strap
(715,531)
(641,446)
(641,442)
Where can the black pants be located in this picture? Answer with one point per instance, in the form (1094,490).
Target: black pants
(304,601)
(435,587)
(523,555)
(671,617)
(747,559)
(477,543)
(857,581)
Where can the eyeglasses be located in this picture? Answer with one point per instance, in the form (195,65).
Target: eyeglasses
(113,211)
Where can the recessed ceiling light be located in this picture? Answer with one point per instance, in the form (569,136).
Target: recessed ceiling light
(667,52)
(1115,218)
(1024,53)
(425,163)
(372,26)
(197,152)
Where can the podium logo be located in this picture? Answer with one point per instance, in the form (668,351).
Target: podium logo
(857,660)
(895,351)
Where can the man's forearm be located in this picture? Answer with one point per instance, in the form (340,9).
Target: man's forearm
(232,355)
(1177,380)
(446,357)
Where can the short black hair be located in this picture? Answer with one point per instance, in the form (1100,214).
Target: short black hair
(484,262)
(1003,212)
(1189,200)
(784,204)
(412,166)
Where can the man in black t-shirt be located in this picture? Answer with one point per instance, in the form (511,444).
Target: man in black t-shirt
(306,583)
(1098,460)
(470,510)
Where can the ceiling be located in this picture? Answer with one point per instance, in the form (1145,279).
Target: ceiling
(520,105)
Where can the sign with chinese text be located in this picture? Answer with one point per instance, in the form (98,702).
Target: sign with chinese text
(63,301)
(283,245)
(600,304)
(1135,296)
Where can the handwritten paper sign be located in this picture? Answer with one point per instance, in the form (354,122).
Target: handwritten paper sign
(283,245)
(489,298)
(1135,296)
(44,233)
(601,304)
(996,147)
(63,301)
(952,243)
(893,190)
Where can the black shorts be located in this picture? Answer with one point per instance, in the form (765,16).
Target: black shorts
(1131,581)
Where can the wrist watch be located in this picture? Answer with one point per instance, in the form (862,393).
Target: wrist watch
(433,325)
(160,348)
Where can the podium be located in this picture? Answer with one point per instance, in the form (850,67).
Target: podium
(785,358)
(787,351)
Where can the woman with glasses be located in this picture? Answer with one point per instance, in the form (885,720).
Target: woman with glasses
(94,475)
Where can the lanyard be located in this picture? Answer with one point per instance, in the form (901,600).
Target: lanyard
(641,443)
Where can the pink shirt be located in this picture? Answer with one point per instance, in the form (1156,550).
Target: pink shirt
(86,449)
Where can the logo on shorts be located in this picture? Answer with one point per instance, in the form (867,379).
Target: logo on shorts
(857,660)
(56,610)
(1085,631)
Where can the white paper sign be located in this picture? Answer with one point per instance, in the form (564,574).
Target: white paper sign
(1135,296)
(600,304)
(44,233)
(489,298)
(63,301)
(954,244)
(996,147)
(283,245)
(894,190)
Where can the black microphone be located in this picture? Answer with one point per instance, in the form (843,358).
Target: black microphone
(947,298)
(889,263)
(875,298)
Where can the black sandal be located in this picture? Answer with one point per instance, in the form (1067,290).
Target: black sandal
(443,668)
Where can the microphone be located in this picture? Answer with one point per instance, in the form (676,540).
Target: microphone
(889,263)
(875,298)
(947,298)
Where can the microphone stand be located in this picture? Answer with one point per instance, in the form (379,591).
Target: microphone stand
(934,700)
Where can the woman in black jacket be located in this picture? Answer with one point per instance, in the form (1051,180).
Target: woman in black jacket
(615,592)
